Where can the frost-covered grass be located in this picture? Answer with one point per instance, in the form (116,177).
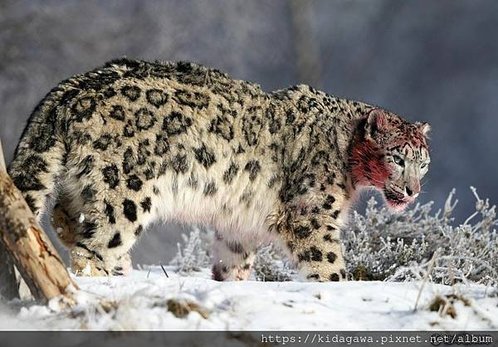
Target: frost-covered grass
(419,243)
(194,253)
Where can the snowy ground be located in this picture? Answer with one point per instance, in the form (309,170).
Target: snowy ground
(148,300)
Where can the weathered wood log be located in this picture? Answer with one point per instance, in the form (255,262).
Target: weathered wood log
(27,245)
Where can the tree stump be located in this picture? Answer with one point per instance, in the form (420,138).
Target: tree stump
(27,245)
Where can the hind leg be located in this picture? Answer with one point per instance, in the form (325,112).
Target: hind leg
(97,248)
(232,260)
(102,251)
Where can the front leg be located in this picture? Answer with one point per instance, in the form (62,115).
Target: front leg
(312,238)
(232,260)
(319,257)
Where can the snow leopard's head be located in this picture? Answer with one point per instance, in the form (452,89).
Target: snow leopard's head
(391,155)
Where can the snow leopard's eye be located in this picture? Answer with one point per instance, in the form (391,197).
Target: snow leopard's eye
(398,160)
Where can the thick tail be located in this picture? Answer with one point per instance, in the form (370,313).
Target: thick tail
(38,158)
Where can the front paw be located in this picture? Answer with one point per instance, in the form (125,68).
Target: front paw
(235,273)
(325,275)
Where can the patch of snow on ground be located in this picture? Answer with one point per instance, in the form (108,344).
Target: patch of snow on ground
(140,302)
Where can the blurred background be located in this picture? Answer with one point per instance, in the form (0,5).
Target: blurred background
(434,61)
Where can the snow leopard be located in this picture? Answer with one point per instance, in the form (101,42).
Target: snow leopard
(134,142)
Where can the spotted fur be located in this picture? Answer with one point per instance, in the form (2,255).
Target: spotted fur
(133,142)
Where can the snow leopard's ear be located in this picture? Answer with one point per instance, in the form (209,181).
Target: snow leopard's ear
(377,121)
(424,128)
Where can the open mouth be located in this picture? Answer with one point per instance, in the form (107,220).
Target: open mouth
(396,200)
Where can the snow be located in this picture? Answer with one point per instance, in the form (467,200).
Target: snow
(140,302)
